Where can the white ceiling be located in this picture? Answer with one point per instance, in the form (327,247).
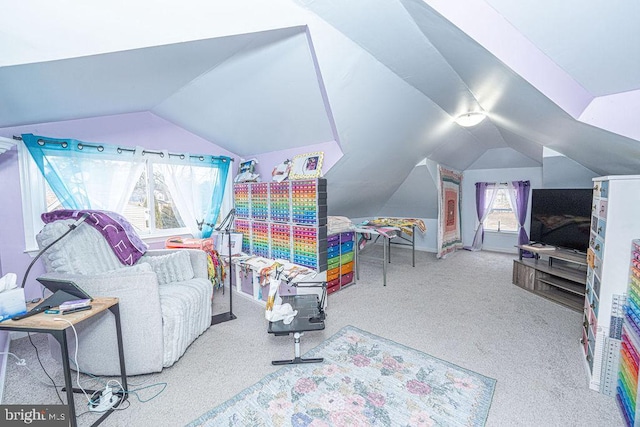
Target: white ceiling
(383,78)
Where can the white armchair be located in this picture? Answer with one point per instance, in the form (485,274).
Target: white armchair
(165,300)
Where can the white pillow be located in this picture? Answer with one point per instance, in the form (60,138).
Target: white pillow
(173,267)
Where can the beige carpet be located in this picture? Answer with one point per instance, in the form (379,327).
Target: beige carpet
(462,309)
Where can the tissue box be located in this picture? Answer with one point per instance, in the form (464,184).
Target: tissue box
(12,303)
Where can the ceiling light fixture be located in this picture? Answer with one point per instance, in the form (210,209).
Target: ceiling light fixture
(471,118)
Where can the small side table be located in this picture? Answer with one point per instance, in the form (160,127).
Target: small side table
(58,329)
(308,319)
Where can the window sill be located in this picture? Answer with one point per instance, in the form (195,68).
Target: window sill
(501,232)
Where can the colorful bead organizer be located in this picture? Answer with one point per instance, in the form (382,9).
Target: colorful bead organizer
(260,239)
(259,195)
(309,201)
(241,199)
(628,370)
(270,205)
(280,201)
(280,241)
(244,226)
(310,247)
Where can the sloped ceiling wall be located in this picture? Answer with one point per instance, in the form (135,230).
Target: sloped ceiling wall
(382,78)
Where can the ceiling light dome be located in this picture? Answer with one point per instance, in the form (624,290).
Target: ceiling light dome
(471,118)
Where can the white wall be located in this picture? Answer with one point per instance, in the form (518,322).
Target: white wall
(501,242)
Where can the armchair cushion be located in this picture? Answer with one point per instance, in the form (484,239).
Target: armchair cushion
(172,267)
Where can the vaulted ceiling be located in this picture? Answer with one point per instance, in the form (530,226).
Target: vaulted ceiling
(383,78)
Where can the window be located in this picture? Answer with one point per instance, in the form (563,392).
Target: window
(150,205)
(501,218)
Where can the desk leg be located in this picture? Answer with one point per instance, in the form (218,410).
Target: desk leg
(384,262)
(115,309)
(61,336)
(413,245)
(357,249)
(389,248)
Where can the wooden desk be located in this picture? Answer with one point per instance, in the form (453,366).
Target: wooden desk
(45,323)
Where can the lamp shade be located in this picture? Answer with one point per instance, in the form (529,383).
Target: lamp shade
(471,118)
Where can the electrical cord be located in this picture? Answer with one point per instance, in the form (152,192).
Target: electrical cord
(44,370)
(75,333)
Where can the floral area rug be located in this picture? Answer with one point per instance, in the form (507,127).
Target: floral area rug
(365,380)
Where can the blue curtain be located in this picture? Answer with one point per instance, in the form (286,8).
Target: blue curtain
(222,164)
(98,176)
(71,195)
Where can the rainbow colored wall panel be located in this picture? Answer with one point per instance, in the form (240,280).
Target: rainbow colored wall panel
(280,241)
(260,239)
(280,201)
(309,202)
(259,196)
(310,246)
(284,220)
(628,371)
(241,200)
(244,226)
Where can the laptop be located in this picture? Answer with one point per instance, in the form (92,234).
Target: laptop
(63,290)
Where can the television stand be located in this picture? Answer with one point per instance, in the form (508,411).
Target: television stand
(560,278)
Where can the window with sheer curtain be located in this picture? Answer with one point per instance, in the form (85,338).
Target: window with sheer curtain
(501,216)
(160,193)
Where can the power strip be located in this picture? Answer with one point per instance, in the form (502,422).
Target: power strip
(107,401)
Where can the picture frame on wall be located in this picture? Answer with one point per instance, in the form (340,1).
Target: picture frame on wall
(309,165)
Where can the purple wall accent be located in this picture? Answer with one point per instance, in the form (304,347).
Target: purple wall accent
(267,161)
(136,129)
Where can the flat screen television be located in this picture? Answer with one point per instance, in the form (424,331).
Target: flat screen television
(561,217)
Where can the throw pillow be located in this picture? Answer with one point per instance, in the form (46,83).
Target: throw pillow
(173,267)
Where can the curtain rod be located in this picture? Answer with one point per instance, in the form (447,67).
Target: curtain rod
(131,150)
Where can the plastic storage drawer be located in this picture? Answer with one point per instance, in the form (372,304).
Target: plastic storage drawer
(333,274)
(346,279)
(345,258)
(347,268)
(346,237)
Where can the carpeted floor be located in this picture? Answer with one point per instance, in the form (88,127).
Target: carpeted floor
(363,380)
(463,309)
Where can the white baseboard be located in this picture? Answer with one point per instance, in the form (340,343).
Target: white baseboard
(3,367)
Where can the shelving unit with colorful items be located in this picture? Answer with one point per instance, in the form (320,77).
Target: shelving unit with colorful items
(309,202)
(241,200)
(300,205)
(614,222)
(260,239)
(310,246)
(244,226)
(280,201)
(280,241)
(627,385)
(340,263)
(259,196)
